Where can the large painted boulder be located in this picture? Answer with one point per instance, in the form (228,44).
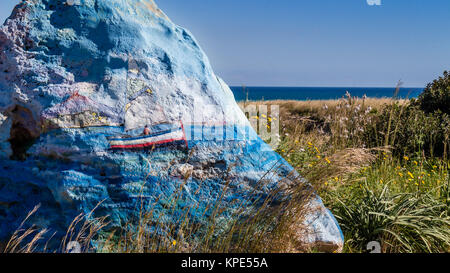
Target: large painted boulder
(107,104)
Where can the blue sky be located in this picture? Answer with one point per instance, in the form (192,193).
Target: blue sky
(316,42)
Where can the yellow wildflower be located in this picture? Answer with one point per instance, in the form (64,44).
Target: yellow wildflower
(411,175)
(327,160)
(406,158)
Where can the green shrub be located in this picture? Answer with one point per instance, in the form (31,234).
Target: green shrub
(436,96)
(412,131)
(405,222)
(408,130)
(421,127)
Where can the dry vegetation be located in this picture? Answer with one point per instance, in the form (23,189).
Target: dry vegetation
(376,163)
(260,226)
(377,167)
(320,106)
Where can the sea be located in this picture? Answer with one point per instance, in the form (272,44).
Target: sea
(319,93)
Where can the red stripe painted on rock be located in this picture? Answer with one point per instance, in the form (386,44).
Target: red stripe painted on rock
(144,145)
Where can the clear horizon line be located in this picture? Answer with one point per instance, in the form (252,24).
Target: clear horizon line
(317,86)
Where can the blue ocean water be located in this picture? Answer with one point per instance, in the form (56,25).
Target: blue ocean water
(319,93)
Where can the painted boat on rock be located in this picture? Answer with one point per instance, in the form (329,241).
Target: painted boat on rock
(174,135)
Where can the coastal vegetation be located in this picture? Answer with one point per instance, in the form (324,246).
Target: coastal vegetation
(380,165)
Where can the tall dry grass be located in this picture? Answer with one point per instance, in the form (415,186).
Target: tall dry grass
(353,151)
(402,202)
(320,107)
(82,230)
(271,223)
(262,223)
(336,124)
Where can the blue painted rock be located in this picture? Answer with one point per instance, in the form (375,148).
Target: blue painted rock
(108,101)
